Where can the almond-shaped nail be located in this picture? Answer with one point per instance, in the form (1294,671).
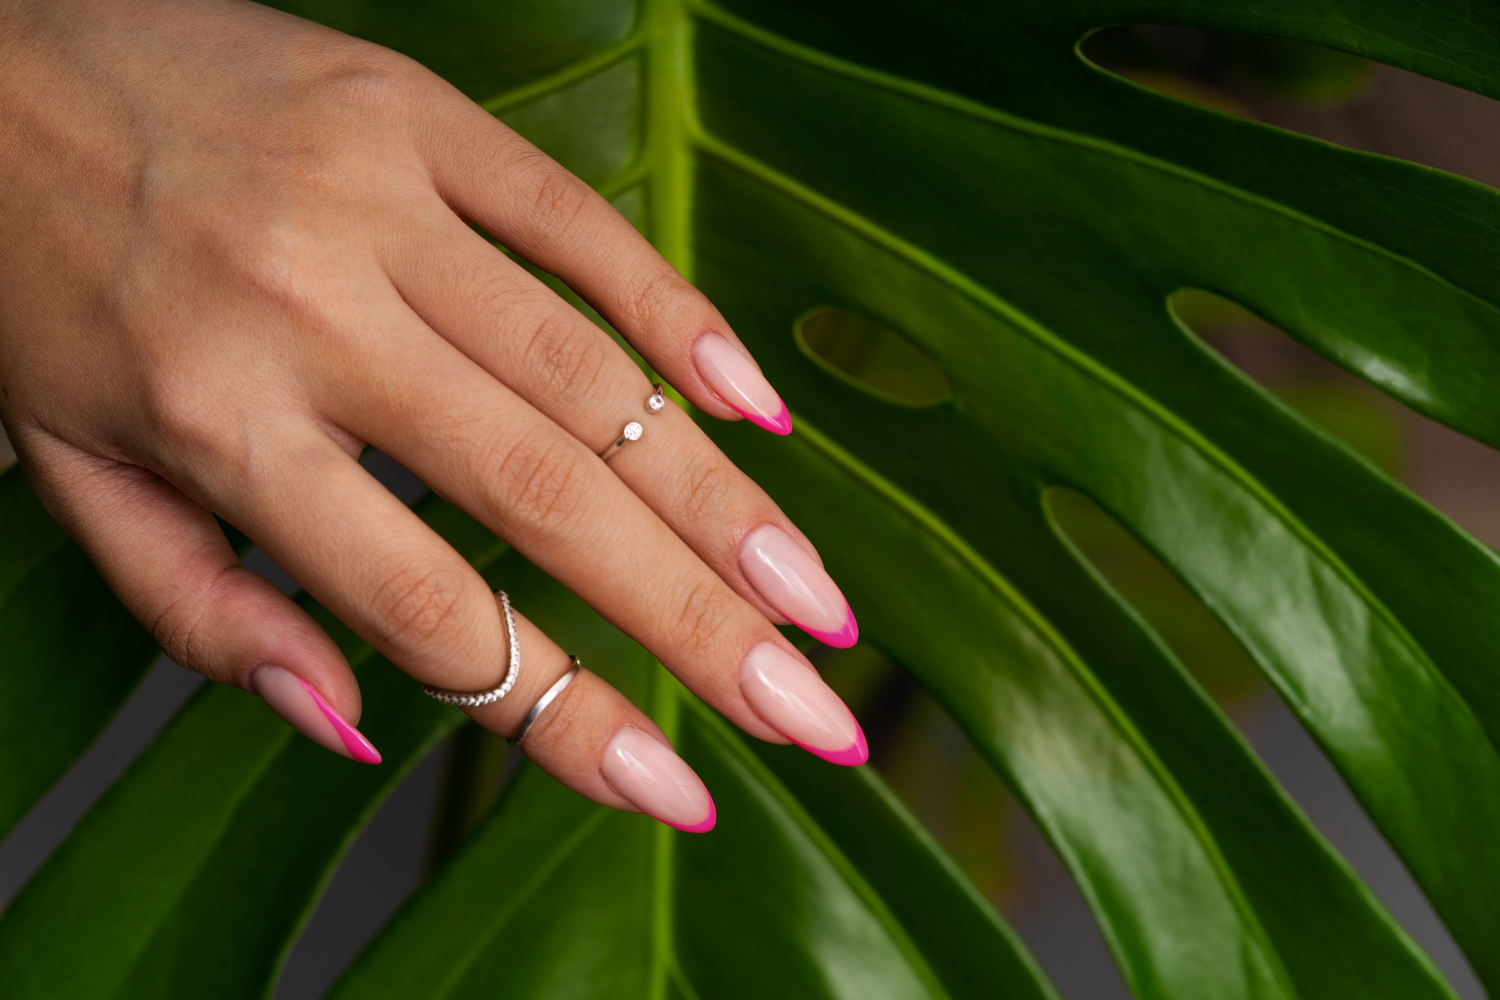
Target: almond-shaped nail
(794,584)
(736,380)
(657,781)
(299,703)
(795,702)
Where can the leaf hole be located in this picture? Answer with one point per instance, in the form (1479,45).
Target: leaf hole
(1309,89)
(1346,408)
(1222,68)
(872,357)
(1455,473)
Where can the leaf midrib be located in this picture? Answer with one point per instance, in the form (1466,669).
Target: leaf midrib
(693,134)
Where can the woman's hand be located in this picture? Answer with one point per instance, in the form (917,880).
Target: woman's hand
(234,249)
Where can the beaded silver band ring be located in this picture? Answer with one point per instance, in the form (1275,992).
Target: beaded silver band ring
(473,699)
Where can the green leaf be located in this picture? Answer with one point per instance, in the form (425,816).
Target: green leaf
(1064,371)
(956,173)
(71,653)
(820,885)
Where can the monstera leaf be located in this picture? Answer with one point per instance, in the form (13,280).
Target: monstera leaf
(956,178)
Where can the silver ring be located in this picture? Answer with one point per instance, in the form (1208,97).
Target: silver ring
(545,700)
(633,430)
(473,699)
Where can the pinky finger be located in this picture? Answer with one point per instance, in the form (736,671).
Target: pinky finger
(170,564)
(594,740)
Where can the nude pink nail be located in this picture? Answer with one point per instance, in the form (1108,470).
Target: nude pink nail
(795,702)
(795,585)
(737,381)
(299,703)
(657,781)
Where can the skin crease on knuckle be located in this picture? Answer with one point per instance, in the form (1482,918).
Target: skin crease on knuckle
(425,612)
(535,487)
(566,359)
(699,621)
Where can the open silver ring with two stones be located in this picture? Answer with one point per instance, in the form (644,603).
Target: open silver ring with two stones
(633,430)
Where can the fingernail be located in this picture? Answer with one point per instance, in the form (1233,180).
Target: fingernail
(657,781)
(299,703)
(736,380)
(795,702)
(794,584)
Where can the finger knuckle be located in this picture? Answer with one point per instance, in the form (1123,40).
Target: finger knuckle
(699,617)
(565,721)
(651,302)
(266,256)
(559,201)
(179,629)
(565,359)
(706,490)
(417,606)
(186,416)
(371,82)
(535,485)
(496,290)
(182,626)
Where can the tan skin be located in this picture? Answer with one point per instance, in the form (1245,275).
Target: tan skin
(234,250)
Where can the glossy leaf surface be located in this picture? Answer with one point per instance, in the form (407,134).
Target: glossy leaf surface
(957,173)
(819,885)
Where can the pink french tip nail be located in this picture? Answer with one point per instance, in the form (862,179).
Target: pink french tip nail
(843,638)
(739,384)
(792,582)
(657,781)
(795,701)
(703,827)
(299,703)
(850,757)
(780,424)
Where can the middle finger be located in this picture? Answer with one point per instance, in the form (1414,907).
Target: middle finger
(530,339)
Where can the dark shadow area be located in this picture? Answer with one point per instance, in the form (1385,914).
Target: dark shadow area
(1315,91)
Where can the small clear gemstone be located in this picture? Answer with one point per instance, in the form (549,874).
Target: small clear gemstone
(632,431)
(656,402)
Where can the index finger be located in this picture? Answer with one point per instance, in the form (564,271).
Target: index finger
(492,176)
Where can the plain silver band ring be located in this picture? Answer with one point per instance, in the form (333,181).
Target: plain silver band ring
(473,699)
(545,700)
